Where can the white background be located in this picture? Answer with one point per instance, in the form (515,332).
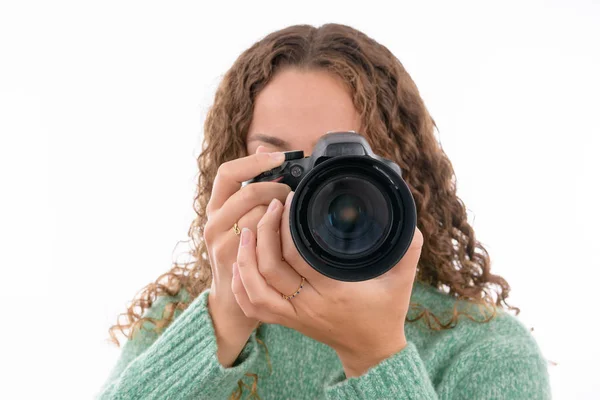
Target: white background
(101,113)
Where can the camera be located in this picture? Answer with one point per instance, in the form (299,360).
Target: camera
(352,217)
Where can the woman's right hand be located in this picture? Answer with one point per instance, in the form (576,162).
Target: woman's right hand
(230,203)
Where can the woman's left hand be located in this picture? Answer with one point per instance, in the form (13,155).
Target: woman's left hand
(362,321)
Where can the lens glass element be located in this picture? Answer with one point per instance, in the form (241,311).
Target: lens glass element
(348,215)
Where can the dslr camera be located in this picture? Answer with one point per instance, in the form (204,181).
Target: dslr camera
(352,217)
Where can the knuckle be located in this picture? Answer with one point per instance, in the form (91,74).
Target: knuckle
(249,192)
(264,224)
(208,233)
(223,170)
(262,158)
(249,220)
(208,210)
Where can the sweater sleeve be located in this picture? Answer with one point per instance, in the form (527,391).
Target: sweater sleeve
(180,363)
(501,367)
(497,368)
(401,376)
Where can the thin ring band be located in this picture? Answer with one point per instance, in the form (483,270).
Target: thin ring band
(297,291)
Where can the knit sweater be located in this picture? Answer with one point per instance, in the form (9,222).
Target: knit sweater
(498,359)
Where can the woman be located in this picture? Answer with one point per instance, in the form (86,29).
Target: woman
(271,325)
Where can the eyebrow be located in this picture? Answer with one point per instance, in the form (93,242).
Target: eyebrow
(272,140)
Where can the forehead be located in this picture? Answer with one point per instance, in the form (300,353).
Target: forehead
(300,106)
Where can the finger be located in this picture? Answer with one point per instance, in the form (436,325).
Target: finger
(277,272)
(249,309)
(260,294)
(250,220)
(246,199)
(232,174)
(262,149)
(408,263)
(289,250)
(239,292)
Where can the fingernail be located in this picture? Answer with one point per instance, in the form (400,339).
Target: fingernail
(277,156)
(234,269)
(245,236)
(273,205)
(288,199)
(259,148)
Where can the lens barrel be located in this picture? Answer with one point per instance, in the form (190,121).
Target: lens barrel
(352,218)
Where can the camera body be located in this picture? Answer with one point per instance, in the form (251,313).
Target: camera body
(352,217)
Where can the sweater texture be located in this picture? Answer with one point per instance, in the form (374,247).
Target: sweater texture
(498,359)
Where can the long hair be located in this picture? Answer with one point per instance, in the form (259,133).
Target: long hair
(396,124)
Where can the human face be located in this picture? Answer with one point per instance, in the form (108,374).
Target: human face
(297,107)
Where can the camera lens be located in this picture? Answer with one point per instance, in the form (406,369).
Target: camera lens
(352,218)
(348,215)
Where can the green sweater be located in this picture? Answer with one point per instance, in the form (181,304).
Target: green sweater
(494,360)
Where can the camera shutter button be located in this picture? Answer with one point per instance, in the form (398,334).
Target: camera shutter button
(294,155)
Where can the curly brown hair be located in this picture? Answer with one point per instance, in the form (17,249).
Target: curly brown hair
(396,124)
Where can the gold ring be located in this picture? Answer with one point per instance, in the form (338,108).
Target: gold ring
(297,291)
(236,229)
